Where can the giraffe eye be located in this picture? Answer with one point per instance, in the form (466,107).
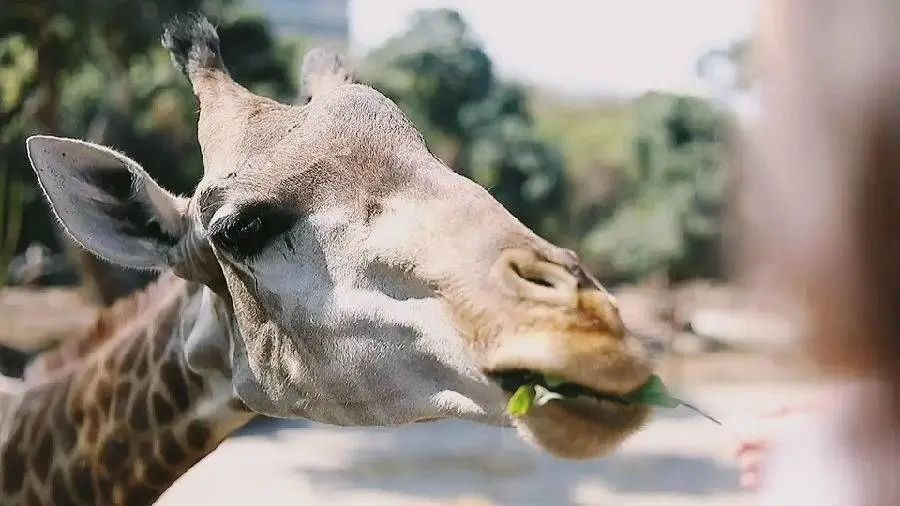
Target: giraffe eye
(247,232)
(239,233)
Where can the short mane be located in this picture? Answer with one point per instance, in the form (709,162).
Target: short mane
(106,327)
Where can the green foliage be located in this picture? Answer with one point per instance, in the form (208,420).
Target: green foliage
(433,70)
(594,135)
(642,195)
(94,69)
(667,216)
(442,78)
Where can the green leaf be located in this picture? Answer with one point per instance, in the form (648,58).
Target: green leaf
(521,402)
(652,393)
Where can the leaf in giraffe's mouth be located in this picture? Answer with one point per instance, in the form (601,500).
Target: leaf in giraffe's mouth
(531,389)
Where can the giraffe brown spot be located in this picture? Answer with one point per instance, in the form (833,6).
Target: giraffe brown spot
(113,454)
(162,338)
(120,408)
(66,435)
(141,370)
(13,470)
(103,395)
(18,433)
(145,450)
(155,474)
(162,410)
(198,434)
(159,348)
(43,456)
(75,404)
(104,488)
(142,361)
(140,495)
(39,409)
(59,490)
(82,480)
(32,498)
(28,429)
(35,433)
(139,418)
(171,376)
(91,430)
(131,354)
(76,414)
(170,450)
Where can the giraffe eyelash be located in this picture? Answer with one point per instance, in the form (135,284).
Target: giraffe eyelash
(246,233)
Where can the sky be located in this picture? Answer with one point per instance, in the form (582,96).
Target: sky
(580,47)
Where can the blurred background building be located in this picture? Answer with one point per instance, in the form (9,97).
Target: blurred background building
(326,20)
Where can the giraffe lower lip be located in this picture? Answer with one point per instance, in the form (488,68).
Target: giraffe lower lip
(581,426)
(600,413)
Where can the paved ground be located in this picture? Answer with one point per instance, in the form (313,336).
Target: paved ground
(679,459)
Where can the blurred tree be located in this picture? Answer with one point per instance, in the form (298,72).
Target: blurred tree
(594,136)
(667,219)
(432,71)
(94,69)
(442,78)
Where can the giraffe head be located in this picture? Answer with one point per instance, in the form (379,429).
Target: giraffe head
(369,283)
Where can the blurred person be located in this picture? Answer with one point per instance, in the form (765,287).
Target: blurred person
(822,210)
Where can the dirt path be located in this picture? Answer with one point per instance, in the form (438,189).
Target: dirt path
(680,459)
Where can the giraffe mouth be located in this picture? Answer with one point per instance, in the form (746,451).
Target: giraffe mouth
(585,422)
(512,379)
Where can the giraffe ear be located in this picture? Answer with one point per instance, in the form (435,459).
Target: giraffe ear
(107,202)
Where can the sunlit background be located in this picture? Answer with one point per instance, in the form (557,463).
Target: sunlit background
(606,126)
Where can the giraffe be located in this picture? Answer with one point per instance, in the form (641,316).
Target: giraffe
(117,416)
(329,267)
(73,350)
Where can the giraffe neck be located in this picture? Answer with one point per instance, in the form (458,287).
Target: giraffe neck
(122,423)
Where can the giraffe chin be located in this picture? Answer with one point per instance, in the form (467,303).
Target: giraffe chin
(581,428)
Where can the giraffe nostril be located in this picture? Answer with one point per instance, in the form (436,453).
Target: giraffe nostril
(533,278)
(523,273)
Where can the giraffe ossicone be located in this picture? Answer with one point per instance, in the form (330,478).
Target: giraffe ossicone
(334,269)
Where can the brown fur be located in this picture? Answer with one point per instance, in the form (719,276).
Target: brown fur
(90,431)
(109,321)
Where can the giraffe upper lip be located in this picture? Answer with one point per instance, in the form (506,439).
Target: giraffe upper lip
(583,373)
